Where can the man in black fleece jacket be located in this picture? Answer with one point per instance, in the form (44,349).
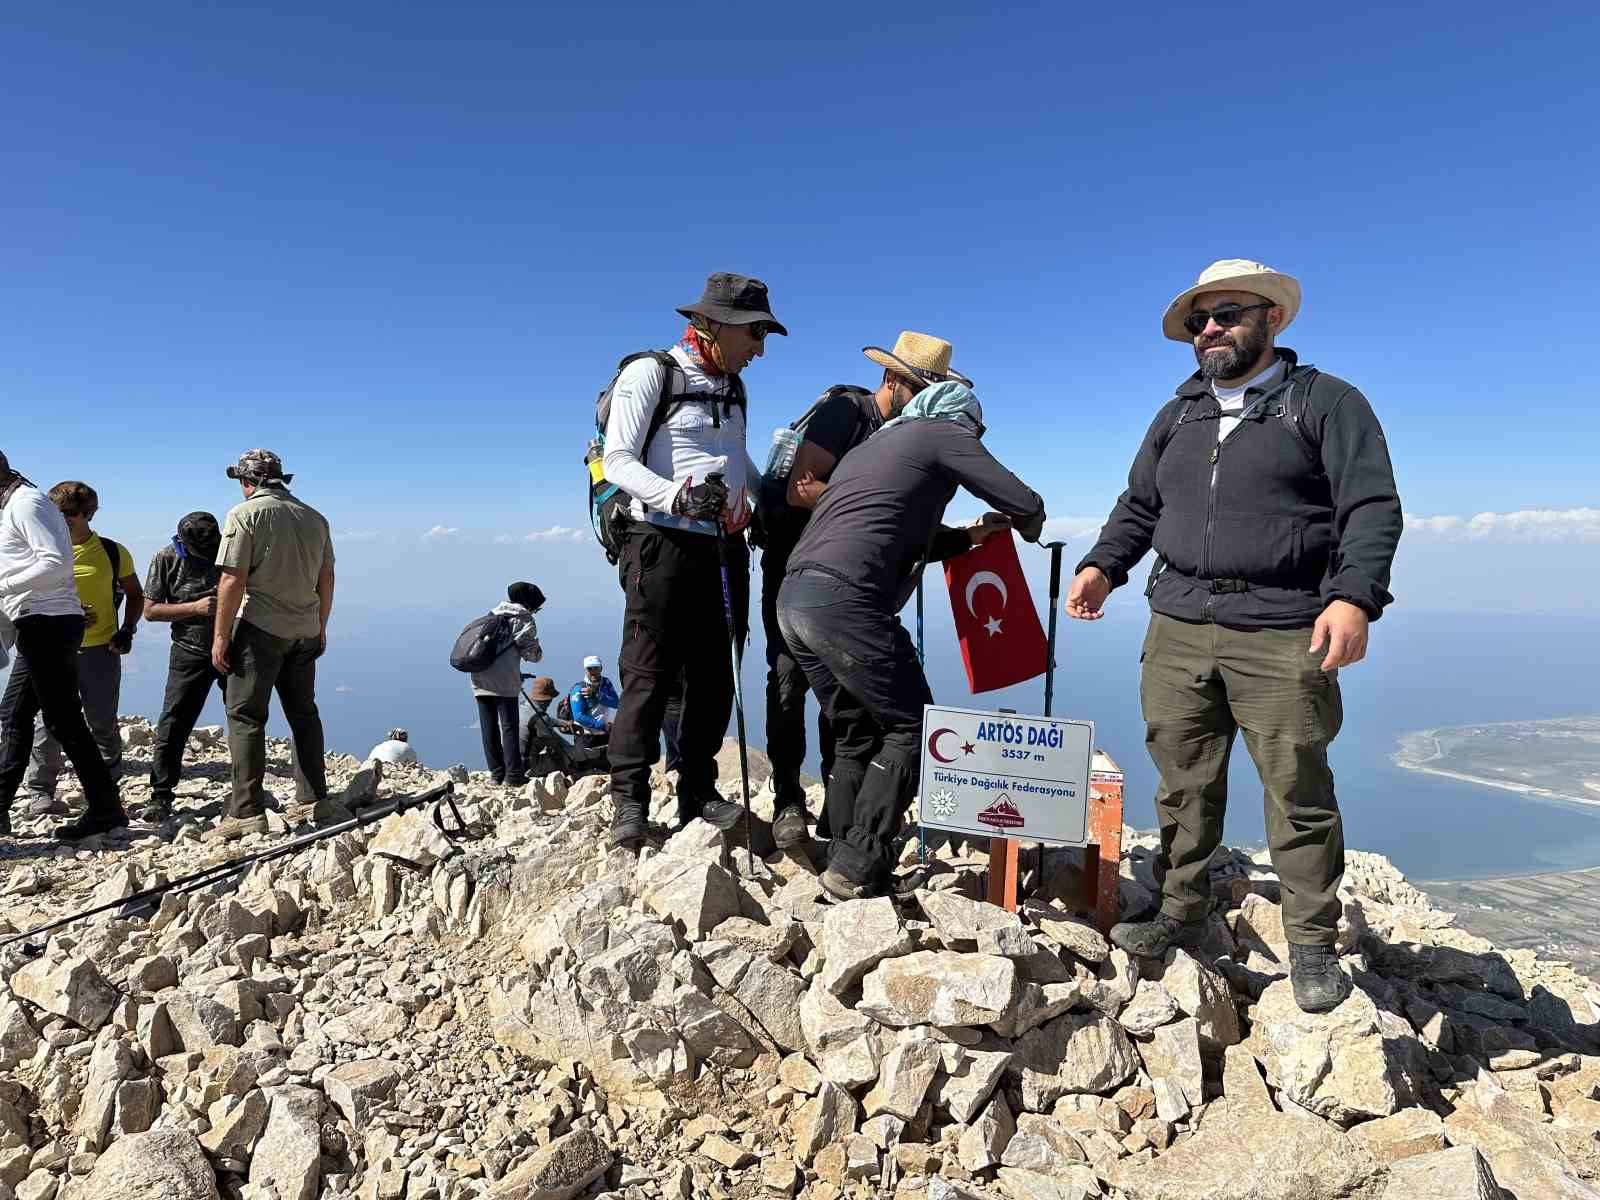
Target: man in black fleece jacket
(1266,491)
(877,524)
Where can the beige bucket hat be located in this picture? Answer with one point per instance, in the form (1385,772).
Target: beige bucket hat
(1235,275)
(917,354)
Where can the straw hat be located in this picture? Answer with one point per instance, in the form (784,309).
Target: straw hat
(919,355)
(1235,275)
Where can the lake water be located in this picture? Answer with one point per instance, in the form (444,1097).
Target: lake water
(389,668)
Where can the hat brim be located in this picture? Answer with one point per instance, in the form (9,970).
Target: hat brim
(1282,290)
(732,316)
(886,359)
(233,473)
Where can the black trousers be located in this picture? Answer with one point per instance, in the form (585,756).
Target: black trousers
(786,699)
(675,624)
(502,746)
(264,663)
(670,720)
(44,682)
(190,678)
(861,663)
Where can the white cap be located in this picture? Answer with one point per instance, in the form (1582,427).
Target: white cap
(592,662)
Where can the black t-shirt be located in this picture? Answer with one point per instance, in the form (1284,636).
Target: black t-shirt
(841,420)
(175,580)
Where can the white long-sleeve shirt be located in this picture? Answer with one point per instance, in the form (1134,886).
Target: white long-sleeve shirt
(36,558)
(690,445)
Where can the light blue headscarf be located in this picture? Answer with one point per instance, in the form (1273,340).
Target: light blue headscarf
(948,401)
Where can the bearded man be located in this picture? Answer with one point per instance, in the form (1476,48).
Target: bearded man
(1265,488)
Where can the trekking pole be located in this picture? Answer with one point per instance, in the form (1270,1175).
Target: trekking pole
(919,621)
(237,866)
(1055,549)
(738,685)
(922,831)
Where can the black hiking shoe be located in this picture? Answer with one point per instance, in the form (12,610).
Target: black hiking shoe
(629,828)
(1319,984)
(789,829)
(1152,939)
(840,888)
(721,814)
(100,820)
(156,810)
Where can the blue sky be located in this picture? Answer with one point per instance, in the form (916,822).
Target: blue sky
(405,246)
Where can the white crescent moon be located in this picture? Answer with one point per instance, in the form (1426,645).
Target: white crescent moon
(981,579)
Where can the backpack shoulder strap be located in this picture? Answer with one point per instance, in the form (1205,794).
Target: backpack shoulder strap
(1164,438)
(669,397)
(1294,410)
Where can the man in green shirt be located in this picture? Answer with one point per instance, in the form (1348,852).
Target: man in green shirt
(274,595)
(103,587)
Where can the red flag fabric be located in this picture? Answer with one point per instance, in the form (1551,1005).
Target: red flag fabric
(1002,642)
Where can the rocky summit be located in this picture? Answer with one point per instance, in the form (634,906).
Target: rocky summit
(401,1012)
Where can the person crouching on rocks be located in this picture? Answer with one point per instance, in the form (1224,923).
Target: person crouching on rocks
(181,588)
(857,563)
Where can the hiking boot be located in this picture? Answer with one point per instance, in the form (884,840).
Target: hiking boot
(96,820)
(789,829)
(840,888)
(1152,939)
(157,810)
(39,805)
(230,829)
(629,828)
(1319,984)
(5,822)
(721,814)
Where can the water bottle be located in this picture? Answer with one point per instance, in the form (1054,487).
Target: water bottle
(780,459)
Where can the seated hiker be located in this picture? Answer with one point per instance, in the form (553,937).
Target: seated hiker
(544,749)
(397,749)
(593,702)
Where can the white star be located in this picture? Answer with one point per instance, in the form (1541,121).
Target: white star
(992,625)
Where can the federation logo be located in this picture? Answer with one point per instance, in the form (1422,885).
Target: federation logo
(1002,814)
(942,804)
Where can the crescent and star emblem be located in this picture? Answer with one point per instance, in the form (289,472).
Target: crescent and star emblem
(987,579)
(933,744)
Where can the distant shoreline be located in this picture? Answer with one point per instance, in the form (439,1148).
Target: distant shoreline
(1415,753)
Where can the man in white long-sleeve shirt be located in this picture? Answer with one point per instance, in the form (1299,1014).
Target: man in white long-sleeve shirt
(40,599)
(693,474)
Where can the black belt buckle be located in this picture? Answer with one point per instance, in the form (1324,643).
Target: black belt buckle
(1227,587)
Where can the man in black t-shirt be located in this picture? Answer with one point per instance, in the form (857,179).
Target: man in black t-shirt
(843,418)
(182,588)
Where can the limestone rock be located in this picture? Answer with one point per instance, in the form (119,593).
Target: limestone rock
(370,1025)
(970,1077)
(1078,936)
(66,987)
(698,895)
(970,925)
(1242,1083)
(1204,995)
(288,1155)
(904,1078)
(1287,1156)
(412,837)
(826,1118)
(856,936)
(1459,1173)
(1078,1052)
(772,995)
(110,1063)
(360,1089)
(165,1163)
(558,1171)
(1074,1183)
(18,1038)
(843,1042)
(198,1022)
(236,1134)
(1409,1133)
(939,988)
(1043,1144)
(985,1140)
(1173,1052)
(772,942)
(1348,1065)
(1152,1006)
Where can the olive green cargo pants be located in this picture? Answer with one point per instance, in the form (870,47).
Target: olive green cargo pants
(1201,684)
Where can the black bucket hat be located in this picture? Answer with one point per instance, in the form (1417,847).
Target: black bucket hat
(199,533)
(734,300)
(527,595)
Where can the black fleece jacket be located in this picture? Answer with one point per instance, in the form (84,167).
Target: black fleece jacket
(1266,529)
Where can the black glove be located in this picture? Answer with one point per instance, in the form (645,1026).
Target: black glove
(701,501)
(1031,530)
(122,641)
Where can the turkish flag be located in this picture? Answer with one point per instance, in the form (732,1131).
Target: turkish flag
(1002,642)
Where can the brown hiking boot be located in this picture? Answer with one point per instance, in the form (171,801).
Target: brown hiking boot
(230,829)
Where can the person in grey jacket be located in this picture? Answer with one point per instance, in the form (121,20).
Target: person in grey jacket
(878,522)
(497,687)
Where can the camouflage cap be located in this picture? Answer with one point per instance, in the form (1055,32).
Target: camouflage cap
(256,465)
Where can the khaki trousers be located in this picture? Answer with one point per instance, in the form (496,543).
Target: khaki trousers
(1201,684)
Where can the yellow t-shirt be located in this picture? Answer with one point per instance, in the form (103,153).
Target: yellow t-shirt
(91,571)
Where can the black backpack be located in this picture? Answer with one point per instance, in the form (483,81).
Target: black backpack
(608,504)
(484,639)
(564,709)
(114,553)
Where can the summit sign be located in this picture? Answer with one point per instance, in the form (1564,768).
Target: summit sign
(995,774)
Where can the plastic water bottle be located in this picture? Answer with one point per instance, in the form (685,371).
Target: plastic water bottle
(780,459)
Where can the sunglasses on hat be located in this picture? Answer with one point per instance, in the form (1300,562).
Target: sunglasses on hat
(1226,316)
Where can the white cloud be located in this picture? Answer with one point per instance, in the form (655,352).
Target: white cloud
(441,531)
(505,539)
(1539,525)
(344,689)
(556,533)
(1065,529)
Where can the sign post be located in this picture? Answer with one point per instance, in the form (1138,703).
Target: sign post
(1001,776)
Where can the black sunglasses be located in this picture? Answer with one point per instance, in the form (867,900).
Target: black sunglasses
(1226,317)
(759,329)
